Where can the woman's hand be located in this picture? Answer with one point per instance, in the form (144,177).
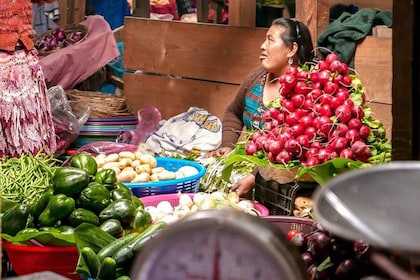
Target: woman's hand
(219,152)
(244,186)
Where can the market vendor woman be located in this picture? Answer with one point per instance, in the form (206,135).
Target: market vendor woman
(26,124)
(287,43)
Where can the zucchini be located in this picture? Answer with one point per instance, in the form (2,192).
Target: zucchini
(127,253)
(107,270)
(92,261)
(116,245)
(123,277)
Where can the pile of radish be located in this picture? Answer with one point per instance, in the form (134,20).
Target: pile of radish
(322,114)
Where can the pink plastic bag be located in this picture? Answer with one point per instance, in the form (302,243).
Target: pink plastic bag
(148,120)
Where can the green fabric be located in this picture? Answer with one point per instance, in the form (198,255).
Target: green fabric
(343,34)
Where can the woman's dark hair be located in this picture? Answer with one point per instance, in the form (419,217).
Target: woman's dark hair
(299,33)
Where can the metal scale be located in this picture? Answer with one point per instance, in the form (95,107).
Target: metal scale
(219,245)
(379,205)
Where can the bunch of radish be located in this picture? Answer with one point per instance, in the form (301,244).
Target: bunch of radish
(321,114)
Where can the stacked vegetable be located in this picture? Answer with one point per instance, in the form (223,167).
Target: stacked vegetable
(85,201)
(321,116)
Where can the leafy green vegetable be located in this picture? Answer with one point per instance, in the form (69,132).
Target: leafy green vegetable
(47,238)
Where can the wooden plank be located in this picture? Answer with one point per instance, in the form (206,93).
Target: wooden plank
(373,63)
(202,51)
(242,12)
(173,96)
(314,14)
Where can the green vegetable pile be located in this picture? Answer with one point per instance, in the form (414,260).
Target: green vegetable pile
(24,179)
(86,208)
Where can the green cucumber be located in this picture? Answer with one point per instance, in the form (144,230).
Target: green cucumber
(92,261)
(127,253)
(123,277)
(116,245)
(107,270)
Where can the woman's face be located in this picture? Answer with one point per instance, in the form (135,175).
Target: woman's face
(274,52)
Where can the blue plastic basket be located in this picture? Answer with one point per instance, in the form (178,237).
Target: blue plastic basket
(116,66)
(188,184)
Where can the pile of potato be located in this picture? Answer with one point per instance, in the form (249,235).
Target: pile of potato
(138,167)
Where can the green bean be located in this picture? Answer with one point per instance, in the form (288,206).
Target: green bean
(26,178)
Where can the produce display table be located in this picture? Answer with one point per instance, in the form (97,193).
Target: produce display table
(71,65)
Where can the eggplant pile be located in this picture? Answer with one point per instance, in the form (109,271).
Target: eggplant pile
(58,38)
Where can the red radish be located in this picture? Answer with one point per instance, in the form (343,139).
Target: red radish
(297,129)
(292,118)
(292,146)
(298,100)
(312,161)
(275,147)
(303,140)
(273,112)
(324,76)
(353,135)
(358,111)
(302,75)
(331,57)
(313,75)
(331,87)
(292,70)
(347,153)
(343,113)
(306,120)
(283,157)
(287,105)
(335,102)
(364,131)
(346,80)
(341,129)
(342,93)
(355,123)
(323,65)
(302,87)
(250,148)
(310,132)
(340,144)
(335,66)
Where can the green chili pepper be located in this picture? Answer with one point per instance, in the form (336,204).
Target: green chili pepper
(86,162)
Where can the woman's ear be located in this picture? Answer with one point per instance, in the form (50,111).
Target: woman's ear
(293,49)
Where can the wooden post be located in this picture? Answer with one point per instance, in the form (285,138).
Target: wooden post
(242,12)
(141,8)
(202,10)
(314,14)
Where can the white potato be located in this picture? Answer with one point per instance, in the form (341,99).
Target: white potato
(127,154)
(141,178)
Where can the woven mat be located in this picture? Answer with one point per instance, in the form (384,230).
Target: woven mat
(102,105)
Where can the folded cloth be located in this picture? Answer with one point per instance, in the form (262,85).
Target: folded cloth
(193,132)
(71,65)
(343,34)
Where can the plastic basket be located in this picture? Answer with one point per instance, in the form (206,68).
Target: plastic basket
(280,198)
(287,223)
(30,259)
(188,184)
(173,199)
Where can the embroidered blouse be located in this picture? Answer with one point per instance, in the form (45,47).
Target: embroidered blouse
(16,24)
